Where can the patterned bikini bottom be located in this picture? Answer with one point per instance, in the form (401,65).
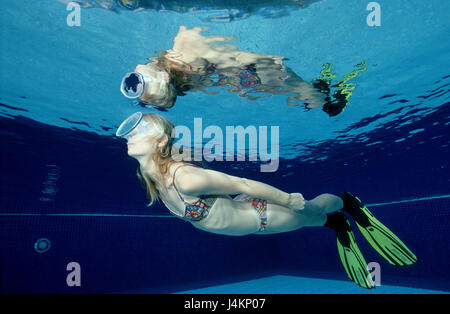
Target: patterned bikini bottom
(260,206)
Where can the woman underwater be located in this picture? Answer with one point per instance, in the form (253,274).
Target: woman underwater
(202,197)
(197,63)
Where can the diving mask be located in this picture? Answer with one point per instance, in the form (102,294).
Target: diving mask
(134,84)
(136,126)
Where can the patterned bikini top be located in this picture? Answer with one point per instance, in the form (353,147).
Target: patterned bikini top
(243,79)
(198,210)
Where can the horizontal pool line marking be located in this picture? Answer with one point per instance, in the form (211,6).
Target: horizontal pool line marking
(171,216)
(409,201)
(88,215)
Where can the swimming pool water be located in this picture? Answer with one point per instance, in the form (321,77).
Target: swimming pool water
(66,178)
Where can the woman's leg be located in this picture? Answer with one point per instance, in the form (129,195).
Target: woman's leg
(283,219)
(324,204)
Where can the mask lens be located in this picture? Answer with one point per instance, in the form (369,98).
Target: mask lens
(129,125)
(132,85)
(136,126)
(130,135)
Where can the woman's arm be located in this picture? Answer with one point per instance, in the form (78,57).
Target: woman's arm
(198,181)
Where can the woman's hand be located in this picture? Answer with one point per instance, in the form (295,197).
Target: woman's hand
(296,201)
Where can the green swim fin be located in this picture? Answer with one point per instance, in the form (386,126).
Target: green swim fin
(351,257)
(383,240)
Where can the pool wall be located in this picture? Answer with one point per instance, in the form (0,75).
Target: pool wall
(96,216)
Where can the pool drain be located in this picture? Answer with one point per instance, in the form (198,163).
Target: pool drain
(42,245)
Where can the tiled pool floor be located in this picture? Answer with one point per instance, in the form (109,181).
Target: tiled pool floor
(282,284)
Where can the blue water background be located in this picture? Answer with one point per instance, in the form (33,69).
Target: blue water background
(60,106)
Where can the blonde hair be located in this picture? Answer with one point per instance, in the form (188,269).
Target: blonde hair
(167,100)
(162,157)
(180,79)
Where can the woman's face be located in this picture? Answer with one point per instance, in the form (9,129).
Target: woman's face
(142,145)
(144,69)
(156,86)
